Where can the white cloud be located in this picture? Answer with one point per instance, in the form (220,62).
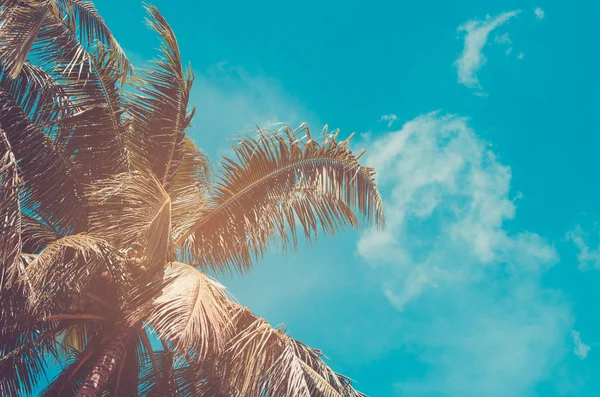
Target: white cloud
(468,290)
(580,349)
(390,118)
(503,38)
(539,13)
(521,55)
(588,257)
(508,50)
(476,35)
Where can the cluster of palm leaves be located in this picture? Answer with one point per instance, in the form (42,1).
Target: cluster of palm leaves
(102,198)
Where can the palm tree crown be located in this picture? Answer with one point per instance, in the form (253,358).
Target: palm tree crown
(102,199)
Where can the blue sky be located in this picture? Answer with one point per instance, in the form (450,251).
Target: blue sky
(481,120)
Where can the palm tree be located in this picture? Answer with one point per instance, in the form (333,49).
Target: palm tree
(102,199)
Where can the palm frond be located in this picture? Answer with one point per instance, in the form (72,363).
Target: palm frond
(51,185)
(26,345)
(192,311)
(159,111)
(166,383)
(97,131)
(195,170)
(275,364)
(43,98)
(20,23)
(191,188)
(277,181)
(132,210)
(68,267)
(10,215)
(92,30)
(36,234)
(71,376)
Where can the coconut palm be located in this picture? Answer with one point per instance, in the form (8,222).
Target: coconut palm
(103,198)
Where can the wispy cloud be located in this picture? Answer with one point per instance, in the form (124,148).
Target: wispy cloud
(520,56)
(468,291)
(539,13)
(389,118)
(503,38)
(580,349)
(231,101)
(475,38)
(588,256)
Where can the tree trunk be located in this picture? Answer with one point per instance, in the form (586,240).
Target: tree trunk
(108,361)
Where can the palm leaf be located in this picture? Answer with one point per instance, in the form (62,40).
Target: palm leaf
(159,109)
(68,267)
(10,215)
(70,378)
(36,234)
(92,29)
(20,23)
(51,185)
(133,209)
(27,345)
(191,187)
(276,182)
(97,131)
(42,98)
(275,364)
(192,311)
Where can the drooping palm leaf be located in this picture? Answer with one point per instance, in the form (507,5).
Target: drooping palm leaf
(170,381)
(36,234)
(274,364)
(192,311)
(252,198)
(26,346)
(68,267)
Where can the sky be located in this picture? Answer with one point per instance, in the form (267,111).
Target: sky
(480,117)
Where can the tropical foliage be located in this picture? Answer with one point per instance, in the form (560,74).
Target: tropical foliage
(103,196)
